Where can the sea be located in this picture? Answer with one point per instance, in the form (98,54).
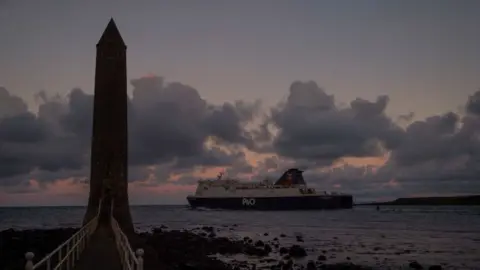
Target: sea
(389,238)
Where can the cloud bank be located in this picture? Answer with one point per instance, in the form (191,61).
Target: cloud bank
(176,136)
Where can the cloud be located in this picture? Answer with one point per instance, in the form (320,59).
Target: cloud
(169,124)
(440,153)
(176,136)
(171,121)
(311,127)
(437,155)
(11,105)
(31,142)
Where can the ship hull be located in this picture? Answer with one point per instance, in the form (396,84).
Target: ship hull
(273,203)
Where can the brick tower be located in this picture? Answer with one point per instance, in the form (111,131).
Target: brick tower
(109,152)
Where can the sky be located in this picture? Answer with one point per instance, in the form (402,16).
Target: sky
(374,98)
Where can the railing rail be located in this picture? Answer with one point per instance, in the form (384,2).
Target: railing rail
(66,254)
(128,259)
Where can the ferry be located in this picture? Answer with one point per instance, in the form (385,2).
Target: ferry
(289,192)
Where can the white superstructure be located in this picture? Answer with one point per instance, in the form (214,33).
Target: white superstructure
(222,188)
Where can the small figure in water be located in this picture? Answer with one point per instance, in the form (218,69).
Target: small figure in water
(378,208)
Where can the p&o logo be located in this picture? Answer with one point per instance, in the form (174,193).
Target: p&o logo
(248,201)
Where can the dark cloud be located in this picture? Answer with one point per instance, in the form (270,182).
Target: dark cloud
(438,155)
(473,104)
(31,142)
(173,128)
(433,138)
(169,124)
(11,105)
(172,122)
(310,126)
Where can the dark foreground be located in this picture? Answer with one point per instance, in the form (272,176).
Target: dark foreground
(172,249)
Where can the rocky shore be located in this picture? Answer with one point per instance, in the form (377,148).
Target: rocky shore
(199,248)
(14,244)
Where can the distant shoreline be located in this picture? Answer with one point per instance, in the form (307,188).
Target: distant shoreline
(432,201)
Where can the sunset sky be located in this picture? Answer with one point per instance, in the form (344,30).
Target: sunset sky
(374,98)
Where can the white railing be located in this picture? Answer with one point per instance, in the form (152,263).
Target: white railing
(127,258)
(65,255)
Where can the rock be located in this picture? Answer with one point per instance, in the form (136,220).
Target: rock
(321,258)
(192,250)
(283,235)
(344,266)
(208,229)
(250,250)
(415,265)
(435,267)
(259,243)
(155,230)
(265,234)
(188,266)
(296,251)
(286,265)
(170,250)
(311,265)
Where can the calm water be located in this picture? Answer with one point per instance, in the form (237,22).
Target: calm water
(388,238)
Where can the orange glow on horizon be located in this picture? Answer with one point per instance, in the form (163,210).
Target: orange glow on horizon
(149,75)
(362,161)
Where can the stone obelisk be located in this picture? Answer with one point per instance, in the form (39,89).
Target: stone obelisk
(109,152)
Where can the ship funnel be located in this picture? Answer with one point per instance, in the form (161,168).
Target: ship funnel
(291,177)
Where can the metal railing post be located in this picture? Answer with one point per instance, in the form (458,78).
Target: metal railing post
(140,253)
(29,257)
